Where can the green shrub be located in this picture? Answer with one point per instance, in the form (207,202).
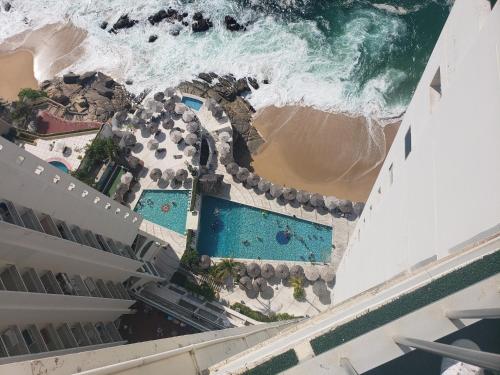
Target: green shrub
(299,293)
(190,259)
(203,289)
(31,94)
(258,316)
(102,149)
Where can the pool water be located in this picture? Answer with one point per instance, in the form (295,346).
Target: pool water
(232,230)
(192,103)
(59,165)
(165,208)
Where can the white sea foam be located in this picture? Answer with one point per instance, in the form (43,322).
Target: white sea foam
(301,65)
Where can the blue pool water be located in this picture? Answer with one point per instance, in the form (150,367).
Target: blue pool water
(59,165)
(232,230)
(165,208)
(192,103)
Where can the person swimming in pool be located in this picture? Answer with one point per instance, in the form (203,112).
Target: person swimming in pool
(174,203)
(150,202)
(245,242)
(216,211)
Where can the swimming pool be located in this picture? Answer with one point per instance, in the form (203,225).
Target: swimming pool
(167,208)
(232,230)
(59,165)
(192,103)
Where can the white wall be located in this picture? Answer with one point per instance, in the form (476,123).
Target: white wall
(446,193)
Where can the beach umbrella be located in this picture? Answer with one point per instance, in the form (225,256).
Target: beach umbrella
(253,180)
(267,271)
(217,112)
(168,174)
(159,96)
(224,148)
(358,207)
(155,174)
(169,106)
(179,108)
(303,196)
(224,137)
(126,178)
(263,185)
(59,146)
(245,282)
(296,271)
(331,203)
(153,144)
(190,151)
(232,168)
(169,92)
(181,174)
(259,284)
(205,262)
(226,159)
(319,288)
(191,139)
(175,136)
(242,174)
(317,200)
(241,270)
(188,116)
(168,124)
(311,273)
(282,271)
(289,193)
(276,190)
(253,270)
(327,273)
(129,139)
(133,161)
(345,206)
(192,127)
(210,103)
(176,99)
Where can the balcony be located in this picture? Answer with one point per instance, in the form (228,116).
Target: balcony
(12,280)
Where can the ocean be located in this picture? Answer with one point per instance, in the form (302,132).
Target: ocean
(354,56)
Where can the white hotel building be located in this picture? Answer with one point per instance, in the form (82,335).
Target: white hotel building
(422,263)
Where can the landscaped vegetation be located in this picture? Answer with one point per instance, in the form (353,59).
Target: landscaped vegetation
(31,94)
(298,288)
(99,151)
(202,289)
(260,317)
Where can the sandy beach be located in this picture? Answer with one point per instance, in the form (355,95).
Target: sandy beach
(328,153)
(16,72)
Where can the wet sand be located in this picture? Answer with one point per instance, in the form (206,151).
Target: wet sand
(16,73)
(328,153)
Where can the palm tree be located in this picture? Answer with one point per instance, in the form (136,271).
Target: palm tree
(297,284)
(225,269)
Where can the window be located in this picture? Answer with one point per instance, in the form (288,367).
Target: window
(391,174)
(407,143)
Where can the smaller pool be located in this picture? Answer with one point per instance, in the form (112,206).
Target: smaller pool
(59,165)
(192,103)
(167,208)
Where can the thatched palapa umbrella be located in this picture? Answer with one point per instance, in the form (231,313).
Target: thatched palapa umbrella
(175,136)
(241,270)
(345,206)
(311,273)
(296,271)
(317,200)
(327,273)
(169,92)
(205,262)
(245,282)
(253,180)
(191,139)
(289,193)
(358,207)
(331,203)
(181,174)
(224,148)
(180,108)
(226,159)
(224,137)
(192,127)
(168,124)
(155,174)
(264,185)
(242,174)
(319,288)
(126,178)
(282,271)
(303,196)
(276,190)
(168,174)
(232,168)
(153,144)
(267,271)
(253,270)
(188,116)
(259,284)
(190,151)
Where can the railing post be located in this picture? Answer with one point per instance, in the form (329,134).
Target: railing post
(487,313)
(474,357)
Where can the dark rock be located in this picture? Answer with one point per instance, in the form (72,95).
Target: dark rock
(45,84)
(253,82)
(174,32)
(152,38)
(71,78)
(265,81)
(185,23)
(159,96)
(198,16)
(201,25)
(171,12)
(232,24)
(228,92)
(103,25)
(213,75)
(104,91)
(184,15)
(179,17)
(61,99)
(242,86)
(157,17)
(7,6)
(87,78)
(109,82)
(129,82)
(206,77)
(124,22)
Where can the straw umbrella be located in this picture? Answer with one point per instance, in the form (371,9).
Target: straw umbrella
(245,282)
(327,273)
(188,116)
(232,168)
(192,127)
(282,271)
(303,196)
(242,174)
(317,200)
(253,270)
(289,194)
(331,203)
(168,174)
(153,144)
(259,284)
(267,271)
(296,271)
(224,148)
(311,273)
(181,174)
(263,185)
(205,262)
(169,92)
(224,137)
(155,174)
(217,112)
(190,151)
(127,178)
(175,136)
(319,288)
(191,139)
(168,124)
(179,108)
(240,269)
(345,206)
(226,159)
(276,190)
(210,103)
(253,180)
(358,208)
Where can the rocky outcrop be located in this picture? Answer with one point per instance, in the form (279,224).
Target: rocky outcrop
(103,25)
(200,24)
(152,38)
(232,24)
(170,14)
(94,95)
(7,6)
(124,22)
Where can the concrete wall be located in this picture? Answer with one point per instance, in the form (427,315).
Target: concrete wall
(60,195)
(445,193)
